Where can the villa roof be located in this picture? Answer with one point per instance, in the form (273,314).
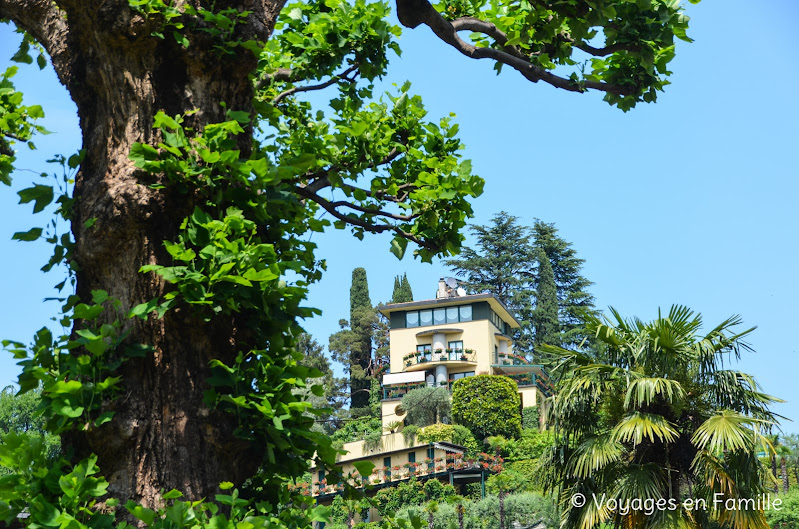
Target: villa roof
(492,300)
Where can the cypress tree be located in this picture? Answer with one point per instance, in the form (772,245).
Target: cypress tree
(545,316)
(402,290)
(352,345)
(395,294)
(573,299)
(359,291)
(407,293)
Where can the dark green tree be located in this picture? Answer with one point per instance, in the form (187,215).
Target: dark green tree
(547,299)
(352,345)
(402,290)
(334,389)
(546,326)
(362,322)
(501,263)
(573,298)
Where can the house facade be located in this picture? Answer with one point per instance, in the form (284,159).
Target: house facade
(434,343)
(438,341)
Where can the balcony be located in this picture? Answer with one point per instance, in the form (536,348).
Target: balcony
(429,468)
(421,360)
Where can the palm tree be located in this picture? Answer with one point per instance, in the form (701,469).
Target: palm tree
(652,413)
(431,508)
(504,485)
(458,500)
(792,443)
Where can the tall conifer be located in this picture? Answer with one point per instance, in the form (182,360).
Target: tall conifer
(534,272)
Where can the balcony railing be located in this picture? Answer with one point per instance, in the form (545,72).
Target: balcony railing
(399,390)
(438,355)
(428,467)
(509,359)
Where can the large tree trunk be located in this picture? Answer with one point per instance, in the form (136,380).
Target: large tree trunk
(163,437)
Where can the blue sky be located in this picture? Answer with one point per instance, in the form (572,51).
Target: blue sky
(688,201)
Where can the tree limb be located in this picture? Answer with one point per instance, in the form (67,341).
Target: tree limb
(333,80)
(41,18)
(412,13)
(330,207)
(281,74)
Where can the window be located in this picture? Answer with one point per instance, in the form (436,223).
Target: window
(321,475)
(497,321)
(412,457)
(425,318)
(455,346)
(452,315)
(425,351)
(387,462)
(457,376)
(431,453)
(422,318)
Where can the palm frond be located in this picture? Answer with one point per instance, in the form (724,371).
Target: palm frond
(636,426)
(642,391)
(593,454)
(727,430)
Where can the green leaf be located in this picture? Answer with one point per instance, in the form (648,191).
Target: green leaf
(142,513)
(43,512)
(364,468)
(30,235)
(42,196)
(398,246)
(104,417)
(173,494)
(87,312)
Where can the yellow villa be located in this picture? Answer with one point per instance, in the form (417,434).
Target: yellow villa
(434,343)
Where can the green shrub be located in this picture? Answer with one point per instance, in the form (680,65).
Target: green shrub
(531,445)
(526,509)
(487,405)
(462,436)
(409,434)
(411,493)
(358,429)
(531,418)
(788,514)
(435,433)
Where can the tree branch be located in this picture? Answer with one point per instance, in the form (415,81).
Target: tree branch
(333,80)
(41,18)
(330,207)
(412,13)
(281,74)
(319,178)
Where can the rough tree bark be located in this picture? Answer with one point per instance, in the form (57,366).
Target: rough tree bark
(163,436)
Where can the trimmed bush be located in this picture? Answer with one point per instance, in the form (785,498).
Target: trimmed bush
(487,405)
(531,418)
